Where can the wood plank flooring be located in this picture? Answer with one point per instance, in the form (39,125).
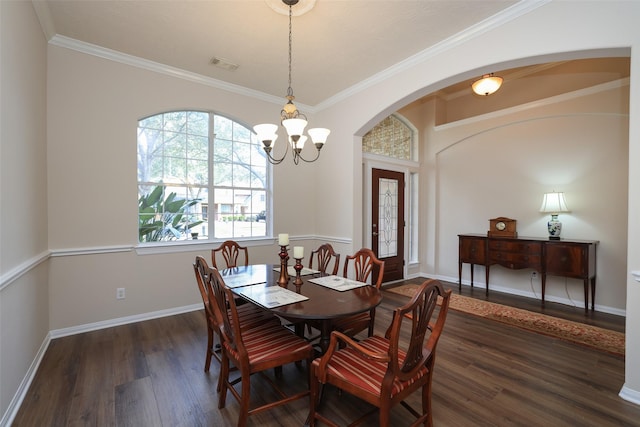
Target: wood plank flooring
(487,374)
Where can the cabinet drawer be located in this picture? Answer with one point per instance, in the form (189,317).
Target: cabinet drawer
(516,260)
(533,248)
(567,260)
(472,250)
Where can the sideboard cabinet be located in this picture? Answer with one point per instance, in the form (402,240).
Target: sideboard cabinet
(568,258)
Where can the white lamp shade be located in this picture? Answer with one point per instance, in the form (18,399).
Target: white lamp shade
(294,126)
(266,131)
(487,85)
(554,203)
(300,143)
(319,135)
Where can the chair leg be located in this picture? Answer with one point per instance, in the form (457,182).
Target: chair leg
(245,400)
(426,404)
(223,381)
(314,396)
(210,344)
(384,414)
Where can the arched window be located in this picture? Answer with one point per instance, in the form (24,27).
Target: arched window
(392,138)
(200,176)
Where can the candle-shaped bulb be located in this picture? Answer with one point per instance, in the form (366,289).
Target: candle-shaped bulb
(283,239)
(298,252)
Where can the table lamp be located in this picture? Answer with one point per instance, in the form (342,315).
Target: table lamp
(554,203)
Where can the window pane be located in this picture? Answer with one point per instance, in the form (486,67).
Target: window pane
(175,121)
(259,177)
(392,138)
(241,175)
(222,150)
(241,133)
(198,123)
(174,170)
(175,144)
(223,128)
(198,147)
(197,171)
(222,174)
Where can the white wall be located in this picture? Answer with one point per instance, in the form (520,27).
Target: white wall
(24,293)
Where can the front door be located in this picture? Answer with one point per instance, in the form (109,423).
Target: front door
(387,228)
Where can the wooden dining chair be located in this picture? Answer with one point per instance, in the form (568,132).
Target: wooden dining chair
(361,266)
(324,255)
(381,370)
(249,314)
(201,268)
(253,350)
(232,253)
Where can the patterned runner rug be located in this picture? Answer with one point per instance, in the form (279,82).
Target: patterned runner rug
(579,333)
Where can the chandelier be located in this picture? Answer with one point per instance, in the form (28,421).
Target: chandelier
(293,121)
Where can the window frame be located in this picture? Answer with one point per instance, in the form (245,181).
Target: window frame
(163,246)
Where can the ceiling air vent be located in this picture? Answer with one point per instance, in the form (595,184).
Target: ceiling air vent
(225,64)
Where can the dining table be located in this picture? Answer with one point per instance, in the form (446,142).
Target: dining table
(321,298)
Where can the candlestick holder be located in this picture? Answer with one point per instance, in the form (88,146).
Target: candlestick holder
(284,261)
(298,268)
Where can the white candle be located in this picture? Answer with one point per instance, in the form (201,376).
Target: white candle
(298,252)
(283,239)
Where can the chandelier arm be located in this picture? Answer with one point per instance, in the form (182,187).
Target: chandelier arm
(275,161)
(299,156)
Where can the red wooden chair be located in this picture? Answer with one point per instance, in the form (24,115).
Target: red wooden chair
(253,350)
(249,314)
(324,255)
(201,268)
(362,265)
(381,371)
(231,252)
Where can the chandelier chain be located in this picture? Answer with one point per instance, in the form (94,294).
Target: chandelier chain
(290,90)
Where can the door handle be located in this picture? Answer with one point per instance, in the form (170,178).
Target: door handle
(375,233)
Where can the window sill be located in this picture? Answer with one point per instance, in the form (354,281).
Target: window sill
(195,245)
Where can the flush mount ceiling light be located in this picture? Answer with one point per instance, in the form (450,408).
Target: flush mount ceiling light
(487,84)
(292,120)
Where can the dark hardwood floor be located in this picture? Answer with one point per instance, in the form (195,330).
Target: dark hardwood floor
(487,374)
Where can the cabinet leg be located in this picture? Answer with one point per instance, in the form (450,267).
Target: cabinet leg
(544,284)
(593,293)
(486,280)
(471,275)
(459,277)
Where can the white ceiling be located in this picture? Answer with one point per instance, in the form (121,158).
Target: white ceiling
(336,45)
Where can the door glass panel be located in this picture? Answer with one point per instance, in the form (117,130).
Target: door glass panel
(388,221)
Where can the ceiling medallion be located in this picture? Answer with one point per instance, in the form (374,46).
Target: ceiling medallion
(281,7)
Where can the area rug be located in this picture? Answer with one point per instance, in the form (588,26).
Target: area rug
(579,333)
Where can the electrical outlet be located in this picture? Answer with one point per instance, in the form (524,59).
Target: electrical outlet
(534,275)
(120,293)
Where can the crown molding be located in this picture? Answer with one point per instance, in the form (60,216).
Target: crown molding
(134,61)
(517,10)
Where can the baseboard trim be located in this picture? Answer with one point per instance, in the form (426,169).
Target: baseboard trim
(630,395)
(57,333)
(16,402)
(549,298)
